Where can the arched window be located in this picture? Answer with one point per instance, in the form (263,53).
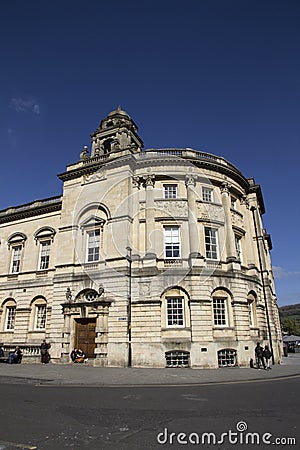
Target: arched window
(220,305)
(251,300)
(88,295)
(16,244)
(44,238)
(88,236)
(38,314)
(175,308)
(9,309)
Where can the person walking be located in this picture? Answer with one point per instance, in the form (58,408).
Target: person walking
(267,354)
(259,356)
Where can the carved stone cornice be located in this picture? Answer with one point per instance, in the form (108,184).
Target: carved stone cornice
(31,209)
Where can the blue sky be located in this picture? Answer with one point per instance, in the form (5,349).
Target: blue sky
(219,76)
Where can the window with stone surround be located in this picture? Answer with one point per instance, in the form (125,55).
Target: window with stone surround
(93,245)
(238,247)
(9,310)
(10,317)
(175,311)
(207,194)
(16,258)
(211,243)
(251,303)
(44,238)
(40,317)
(172,241)
(44,254)
(170,190)
(219,310)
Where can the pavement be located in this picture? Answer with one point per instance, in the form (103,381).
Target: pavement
(87,375)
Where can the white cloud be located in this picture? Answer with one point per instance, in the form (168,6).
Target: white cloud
(25,105)
(281,272)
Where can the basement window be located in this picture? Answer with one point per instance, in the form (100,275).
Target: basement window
(177,358)
(227,357)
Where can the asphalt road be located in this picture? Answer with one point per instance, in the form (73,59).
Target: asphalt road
(51,417)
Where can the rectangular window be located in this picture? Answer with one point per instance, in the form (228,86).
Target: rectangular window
(250,314)
(175,311)
(219,305)
(238,248)
(93,251)
(16,259)
(172,242)
(211,243)
(170,190)
(44,255)
(40,317)
(10,317)
(207,194)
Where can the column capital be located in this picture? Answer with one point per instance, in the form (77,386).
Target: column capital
(136,181)
(224,188)
(149,180)
(190,180)
(245,201)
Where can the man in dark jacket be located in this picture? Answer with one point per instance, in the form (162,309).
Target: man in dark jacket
(259,355)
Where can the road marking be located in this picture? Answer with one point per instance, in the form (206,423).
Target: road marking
(18,445)
(210,383)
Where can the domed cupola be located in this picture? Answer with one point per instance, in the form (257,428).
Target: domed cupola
(116,133)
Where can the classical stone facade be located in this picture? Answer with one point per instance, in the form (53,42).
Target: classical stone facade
(152,257)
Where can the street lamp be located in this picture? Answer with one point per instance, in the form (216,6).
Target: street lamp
(253,209)
(129,259)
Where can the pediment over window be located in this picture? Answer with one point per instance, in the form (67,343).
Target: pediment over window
(16,239)
(92,222)
(44,233)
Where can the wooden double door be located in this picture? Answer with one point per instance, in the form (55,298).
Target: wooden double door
(85,334)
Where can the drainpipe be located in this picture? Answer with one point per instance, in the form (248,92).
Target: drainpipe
(253,209)
(129,259)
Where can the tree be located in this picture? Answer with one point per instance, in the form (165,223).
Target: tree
(290,326)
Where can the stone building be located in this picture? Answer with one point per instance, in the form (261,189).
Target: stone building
(152,257)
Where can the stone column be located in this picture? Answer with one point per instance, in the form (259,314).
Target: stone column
(135,239)
(66,344)
(229,234)
(101,336)
(194,237)
(259,237)
(250,233)
(149,181)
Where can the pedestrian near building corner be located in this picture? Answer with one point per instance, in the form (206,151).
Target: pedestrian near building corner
(259,356)
(267,355)
(45,356)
